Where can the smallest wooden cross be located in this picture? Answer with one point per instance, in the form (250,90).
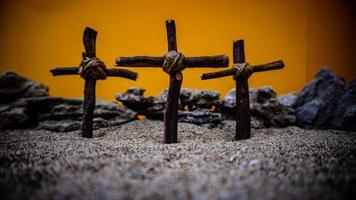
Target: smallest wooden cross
(241,71)
(91,69)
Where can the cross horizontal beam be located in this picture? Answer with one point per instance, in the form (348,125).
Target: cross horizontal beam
(257,68)
(218,61)
(59,71)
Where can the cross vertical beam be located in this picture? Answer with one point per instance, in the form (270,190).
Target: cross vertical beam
(243,118)
(89,40)
(175,83)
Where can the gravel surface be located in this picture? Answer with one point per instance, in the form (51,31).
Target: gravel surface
(131,162)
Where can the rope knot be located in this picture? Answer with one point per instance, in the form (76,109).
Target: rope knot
(92,68)
(173,62)
(243,70)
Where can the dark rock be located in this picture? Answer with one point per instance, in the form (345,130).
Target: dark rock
(47,111)
(326,102)
(256,123)
(70,111)
(189,99)
(67,125)
(264,94)
(15,115)
(133,98)
(109,110)
(14,118)
(156,111)
(151,107)
(199,99)
(13,87)
(207,99)
(203,106)
(59,125)
(206,119)
(288,100)
(136,90)
(54,108)
(345,113)
(229,101)
(266,110)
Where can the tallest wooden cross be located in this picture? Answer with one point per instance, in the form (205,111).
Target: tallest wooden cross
(173,63)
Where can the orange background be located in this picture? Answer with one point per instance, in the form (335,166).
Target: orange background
(37,35)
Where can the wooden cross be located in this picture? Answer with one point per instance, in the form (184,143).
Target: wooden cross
(89,40)
(243,121)
(176,79)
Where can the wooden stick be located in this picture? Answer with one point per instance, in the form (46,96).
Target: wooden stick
(109,72)
(175,83)
(243,120)
(269,66)
(218,61)
(218,74)
(60,71)
(256,68)
(140,61)
(124,73)
(89,39)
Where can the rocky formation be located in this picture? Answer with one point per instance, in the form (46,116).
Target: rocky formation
(151,107)
(26,104)
(196,106)
(205,108)
(63,115)
(13,87)
(266,110)
(327,102)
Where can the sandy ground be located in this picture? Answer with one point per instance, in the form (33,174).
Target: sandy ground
(131,162)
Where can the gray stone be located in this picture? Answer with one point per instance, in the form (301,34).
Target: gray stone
(288,100)
(13,87)
(69,111)
(206,119)
(14,118)
(133,98)
(229,101)
(156,111)
(54,108)
(327,102)
(345,113)
(59,125)
(71,125)
(199,99)
(187,98)
(264,94)
(207,99)
(47,111)
(266,110)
